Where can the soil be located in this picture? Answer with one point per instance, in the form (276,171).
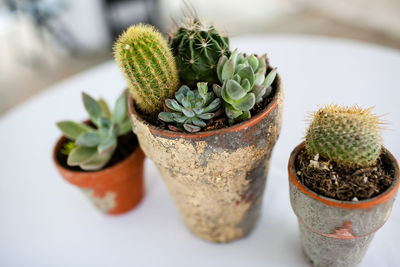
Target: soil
(340,183)
(219,122)
(126,145)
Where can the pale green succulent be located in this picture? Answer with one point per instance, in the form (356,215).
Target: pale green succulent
(190,108)
(244,83)
(94,146)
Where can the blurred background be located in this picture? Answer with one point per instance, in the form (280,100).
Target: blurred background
(45,41)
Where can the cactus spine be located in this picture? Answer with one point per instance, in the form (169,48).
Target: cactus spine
(148,66)
(197,49)
(349,136)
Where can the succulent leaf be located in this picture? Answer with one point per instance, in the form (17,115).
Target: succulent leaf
(93,108)
(121,109)
(73,130)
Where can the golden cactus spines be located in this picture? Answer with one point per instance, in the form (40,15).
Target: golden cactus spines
(148,66)
(349,136)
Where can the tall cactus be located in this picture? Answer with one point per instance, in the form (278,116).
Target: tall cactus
(148,66)
(349,136)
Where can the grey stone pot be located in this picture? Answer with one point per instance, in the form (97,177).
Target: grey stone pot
(337,233)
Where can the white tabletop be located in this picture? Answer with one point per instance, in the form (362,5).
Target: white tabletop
(47,222)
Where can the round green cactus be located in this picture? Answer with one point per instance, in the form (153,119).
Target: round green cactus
(197,49)
(148,66)
(349,136)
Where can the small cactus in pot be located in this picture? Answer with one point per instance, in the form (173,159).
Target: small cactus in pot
(343,183)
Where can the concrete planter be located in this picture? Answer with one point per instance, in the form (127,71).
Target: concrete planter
(337,233)
(216,178)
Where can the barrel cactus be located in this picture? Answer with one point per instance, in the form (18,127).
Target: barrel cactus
(244,83)
(190,108)
(197,49)
(348,136)
(93,147)
(148,66)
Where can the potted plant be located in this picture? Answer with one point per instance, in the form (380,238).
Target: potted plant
(209,119)
(343,184)
(101,156)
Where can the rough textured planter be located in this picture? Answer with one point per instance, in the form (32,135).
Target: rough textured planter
(113,190)
(337,233)
(216,178)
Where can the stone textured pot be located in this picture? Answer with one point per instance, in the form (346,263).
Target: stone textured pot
(337,233)
(216,178)
(113,190)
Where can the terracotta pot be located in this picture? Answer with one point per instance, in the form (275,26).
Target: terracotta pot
(114,190)
(337,233)
(216,178)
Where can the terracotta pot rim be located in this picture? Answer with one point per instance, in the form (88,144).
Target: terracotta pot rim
(108,169)
(362,204)
(235,128)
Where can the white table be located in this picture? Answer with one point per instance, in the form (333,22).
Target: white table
(47,222)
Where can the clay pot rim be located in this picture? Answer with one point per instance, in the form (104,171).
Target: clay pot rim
(235,128)
(101,171)
(362,204)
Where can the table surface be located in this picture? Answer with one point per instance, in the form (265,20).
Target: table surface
(47,222)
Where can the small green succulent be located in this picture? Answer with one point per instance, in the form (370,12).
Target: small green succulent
(93,147)
(244,83)
(190,108)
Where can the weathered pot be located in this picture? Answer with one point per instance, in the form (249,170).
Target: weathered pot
(113,190)
(337,233)
(216,178)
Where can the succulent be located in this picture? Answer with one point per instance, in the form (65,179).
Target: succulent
(349,136)
(197,49)
(148,66)
(244,83)
(93,147)
(190,108)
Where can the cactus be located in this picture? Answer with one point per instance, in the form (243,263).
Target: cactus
(349,136)
(243,84)
(190,108)
(197,49)
(148,66)
(93,147)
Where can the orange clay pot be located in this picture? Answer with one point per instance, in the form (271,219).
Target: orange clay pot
(113,190)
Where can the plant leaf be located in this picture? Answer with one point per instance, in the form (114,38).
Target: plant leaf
(247,73)
(104,108)
(221,62)
(253,62)
(81,154)
(217,89)
(125,127)
(188,113)
(173,104)
(107,145)
(202,89)
(228,70)
(121,108)
(213,106)
(232,113)
(246,103)
(88,139)
(198,122)
(97,162)
(206,116)
(73,130)
(234,90)
(191,128)
(270,78)
(166,116)
(93,108)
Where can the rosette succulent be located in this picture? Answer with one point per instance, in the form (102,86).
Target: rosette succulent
(190,108)
(244,83)
(93,147)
